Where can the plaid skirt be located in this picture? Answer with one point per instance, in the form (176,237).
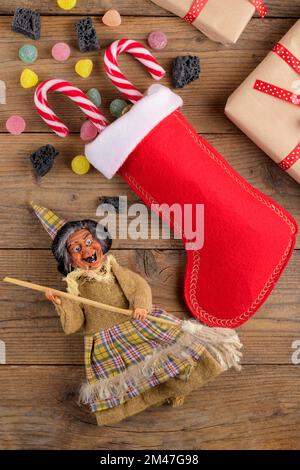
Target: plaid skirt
(126,360)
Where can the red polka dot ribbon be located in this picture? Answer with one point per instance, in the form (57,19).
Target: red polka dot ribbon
(277,92)
(284,95)
(198,5)
(291,159)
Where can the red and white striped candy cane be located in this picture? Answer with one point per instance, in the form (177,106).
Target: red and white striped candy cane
(140,53)
(76,95)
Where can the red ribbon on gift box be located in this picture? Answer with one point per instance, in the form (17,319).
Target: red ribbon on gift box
(198,5)
(284,95)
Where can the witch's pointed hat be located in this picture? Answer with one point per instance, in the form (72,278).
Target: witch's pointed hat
(51,222)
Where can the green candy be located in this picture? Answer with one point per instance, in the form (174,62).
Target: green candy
(28,53)
(116,107)
(94,96)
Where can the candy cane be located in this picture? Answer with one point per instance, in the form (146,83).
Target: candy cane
(76,95)
(140,53)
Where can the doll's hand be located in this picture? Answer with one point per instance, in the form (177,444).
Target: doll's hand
(53,298)
(140,314)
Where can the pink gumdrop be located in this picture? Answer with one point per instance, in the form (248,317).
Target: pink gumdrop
(15,125)
(61,51)
(88,131)
(157,40)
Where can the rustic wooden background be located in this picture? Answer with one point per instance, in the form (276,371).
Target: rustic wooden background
(258,408)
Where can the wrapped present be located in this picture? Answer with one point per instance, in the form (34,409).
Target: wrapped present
(266,105)
(220,20)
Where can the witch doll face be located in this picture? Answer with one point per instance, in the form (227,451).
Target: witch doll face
(84,250)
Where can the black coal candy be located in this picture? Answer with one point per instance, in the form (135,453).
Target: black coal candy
(43,158)
(185,69)
(27,22)
(86,35)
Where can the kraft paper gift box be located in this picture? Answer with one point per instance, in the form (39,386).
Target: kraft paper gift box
(220,20)
(266,106)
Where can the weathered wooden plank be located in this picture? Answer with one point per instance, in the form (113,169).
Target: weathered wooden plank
(259,409)
(277,8)
(32,333)
(223,68)
(77,196)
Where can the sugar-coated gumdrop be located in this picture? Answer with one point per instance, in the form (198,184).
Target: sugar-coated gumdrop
(15,125)
(80,165)
(84,67)
(28,53)
(94,96)
(66,4)
(112,18)
(88,131)
(61,51)
(116,107)
(157,40)
(28,78)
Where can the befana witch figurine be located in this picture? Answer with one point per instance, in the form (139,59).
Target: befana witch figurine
(131,363)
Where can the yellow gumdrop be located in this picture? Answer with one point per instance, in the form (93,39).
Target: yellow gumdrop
(84,67)
(66,4)
(28,78)
(80,165)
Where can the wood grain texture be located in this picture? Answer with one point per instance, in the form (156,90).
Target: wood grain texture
(250,410)
(277,8)
(223,68)
(74,196)
(32,321)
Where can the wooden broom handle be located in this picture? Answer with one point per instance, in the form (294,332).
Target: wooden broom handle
(82,300)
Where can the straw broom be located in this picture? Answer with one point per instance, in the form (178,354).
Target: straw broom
(83,300)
